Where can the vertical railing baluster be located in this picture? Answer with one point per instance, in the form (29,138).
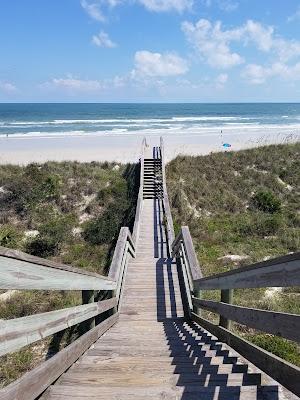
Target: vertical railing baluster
(197,310)
(88,296)
(226,297)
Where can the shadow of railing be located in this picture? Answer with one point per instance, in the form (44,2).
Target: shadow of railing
(203,368)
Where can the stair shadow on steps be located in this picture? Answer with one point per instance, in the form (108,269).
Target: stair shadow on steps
(206,371)
(165,291)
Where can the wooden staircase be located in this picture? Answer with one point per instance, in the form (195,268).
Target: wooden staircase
(155,343)
(154,352)
(152,182)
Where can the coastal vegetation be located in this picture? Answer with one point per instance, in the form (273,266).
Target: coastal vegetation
(69,212)
(242,207)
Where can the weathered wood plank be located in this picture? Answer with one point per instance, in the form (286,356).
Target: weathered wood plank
(280,324)
(176,244)
(278,272)
(114,269)
(33,383)
(19,255)
(282,371)
(191,254)
(166,204)
(139,206)
(19,332)
(19,274)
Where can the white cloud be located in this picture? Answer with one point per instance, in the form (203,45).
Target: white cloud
(212,43)
(71,84)
(103,40)
(295,16)
(257,33)
(7,87)
(224,5)
(265,39)
(258,74)
(228,5)
(167,5)
(149,64)
(93,10)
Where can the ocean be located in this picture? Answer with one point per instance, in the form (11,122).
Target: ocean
(120,119)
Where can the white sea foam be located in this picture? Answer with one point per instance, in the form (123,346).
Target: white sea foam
(209,118)
(179,129)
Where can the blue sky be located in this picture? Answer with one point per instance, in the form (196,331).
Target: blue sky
(149,50)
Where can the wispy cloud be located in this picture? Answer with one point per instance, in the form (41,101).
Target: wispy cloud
(213,43)
(103,40)
(73,85)
(7,87)
(93,10)
(295,16)
(259,74)
(167,5)
(224,5)
(148,64)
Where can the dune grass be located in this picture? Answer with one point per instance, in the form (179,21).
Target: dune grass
(243,204)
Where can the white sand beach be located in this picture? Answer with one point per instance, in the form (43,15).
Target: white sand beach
(124,148)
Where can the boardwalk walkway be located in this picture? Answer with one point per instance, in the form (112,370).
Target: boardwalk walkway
(153,352)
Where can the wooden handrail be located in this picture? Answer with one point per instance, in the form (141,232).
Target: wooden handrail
(277,323)
(277,272)
(282,371)
(21,256)
(19,332)
(23,271)
(139,205)
(166,203)
(281,271)
(35,382)
(114,270)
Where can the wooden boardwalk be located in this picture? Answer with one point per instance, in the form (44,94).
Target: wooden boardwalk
(153,352)
(154,345)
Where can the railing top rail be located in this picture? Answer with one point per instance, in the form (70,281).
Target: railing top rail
(124,236)
(170,226)
(278,272)
(277,323)
(191,254)
(21,256)
(135,231)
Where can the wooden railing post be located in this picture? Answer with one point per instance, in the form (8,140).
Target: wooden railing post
(197,310)
(226,297)
(88,296)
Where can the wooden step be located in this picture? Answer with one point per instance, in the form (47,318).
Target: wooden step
(162,392)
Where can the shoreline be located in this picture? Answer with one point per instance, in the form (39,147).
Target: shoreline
(124,148)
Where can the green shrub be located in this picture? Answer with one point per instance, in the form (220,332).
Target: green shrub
(278,346)
(266,201)
(116,191)
(58,228)
(104,229)
(9,236)
(42,247)
(52,235)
